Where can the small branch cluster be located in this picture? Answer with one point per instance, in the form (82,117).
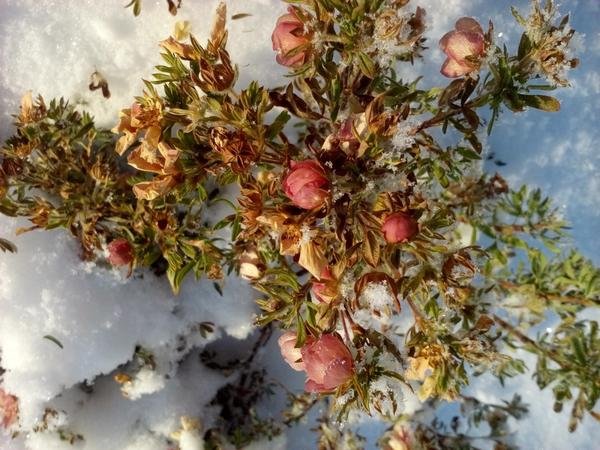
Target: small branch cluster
(356,226)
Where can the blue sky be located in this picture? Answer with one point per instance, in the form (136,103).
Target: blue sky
(558,151)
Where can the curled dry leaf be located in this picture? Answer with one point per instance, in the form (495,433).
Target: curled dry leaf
(97,81)
(217,32)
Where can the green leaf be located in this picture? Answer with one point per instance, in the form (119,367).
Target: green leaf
(7,246)
(518,16)
(53,339)
(278,124)
(524,46)
(543,102)
(240,16)
(300,331)
(176,276)
(366,65)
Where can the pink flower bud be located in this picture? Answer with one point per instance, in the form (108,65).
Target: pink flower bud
(290,40)
(303,184)
(399,227)
(328,363)
(120,252)
(466,41)
(9,409)
(291,354)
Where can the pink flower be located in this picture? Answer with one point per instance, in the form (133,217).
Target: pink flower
(9,409)
(328,363)
(465,41)
(304,183)
(120,252)
(399,227)
(290,40)
(291,354)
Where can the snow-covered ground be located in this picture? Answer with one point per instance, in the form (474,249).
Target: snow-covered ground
(51,47)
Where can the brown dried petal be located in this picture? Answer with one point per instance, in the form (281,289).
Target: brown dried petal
(312,258)
(219,21)
(184,51)
(149,190)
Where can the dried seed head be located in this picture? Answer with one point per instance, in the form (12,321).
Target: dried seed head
(234,149)
(217,76)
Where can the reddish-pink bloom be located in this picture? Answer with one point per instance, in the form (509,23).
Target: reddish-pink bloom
(291,354)
(290,40)
(9,409)
(306,184)
(465,41)
(328,363)
(399,227)
(120,252)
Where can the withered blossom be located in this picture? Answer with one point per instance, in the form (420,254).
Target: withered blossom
(234,148)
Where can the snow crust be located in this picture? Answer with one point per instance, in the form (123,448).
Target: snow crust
(99,318)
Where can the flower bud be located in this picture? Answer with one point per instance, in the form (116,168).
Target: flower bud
(399,227)
(290,40)
(462,46)
(291,354)
(328,363)
(304,184)
(251,265)
(120,252)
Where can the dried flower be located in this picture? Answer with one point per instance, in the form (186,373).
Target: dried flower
(9,409)
(324,290)
(234,148)
(399,438)
(328,363)
(184,51)
(136,118)
(549,50)
(156,157)
(120,252)
(463,46)
(399,227)
(291,354)
(304,184)
(290,40)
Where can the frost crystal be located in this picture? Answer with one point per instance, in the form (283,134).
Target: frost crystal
(377,307)
(307,234)
(404,137)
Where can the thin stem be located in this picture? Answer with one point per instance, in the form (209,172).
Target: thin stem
(576,300)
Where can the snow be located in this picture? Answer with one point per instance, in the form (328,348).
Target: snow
(60,44)
(99,317)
